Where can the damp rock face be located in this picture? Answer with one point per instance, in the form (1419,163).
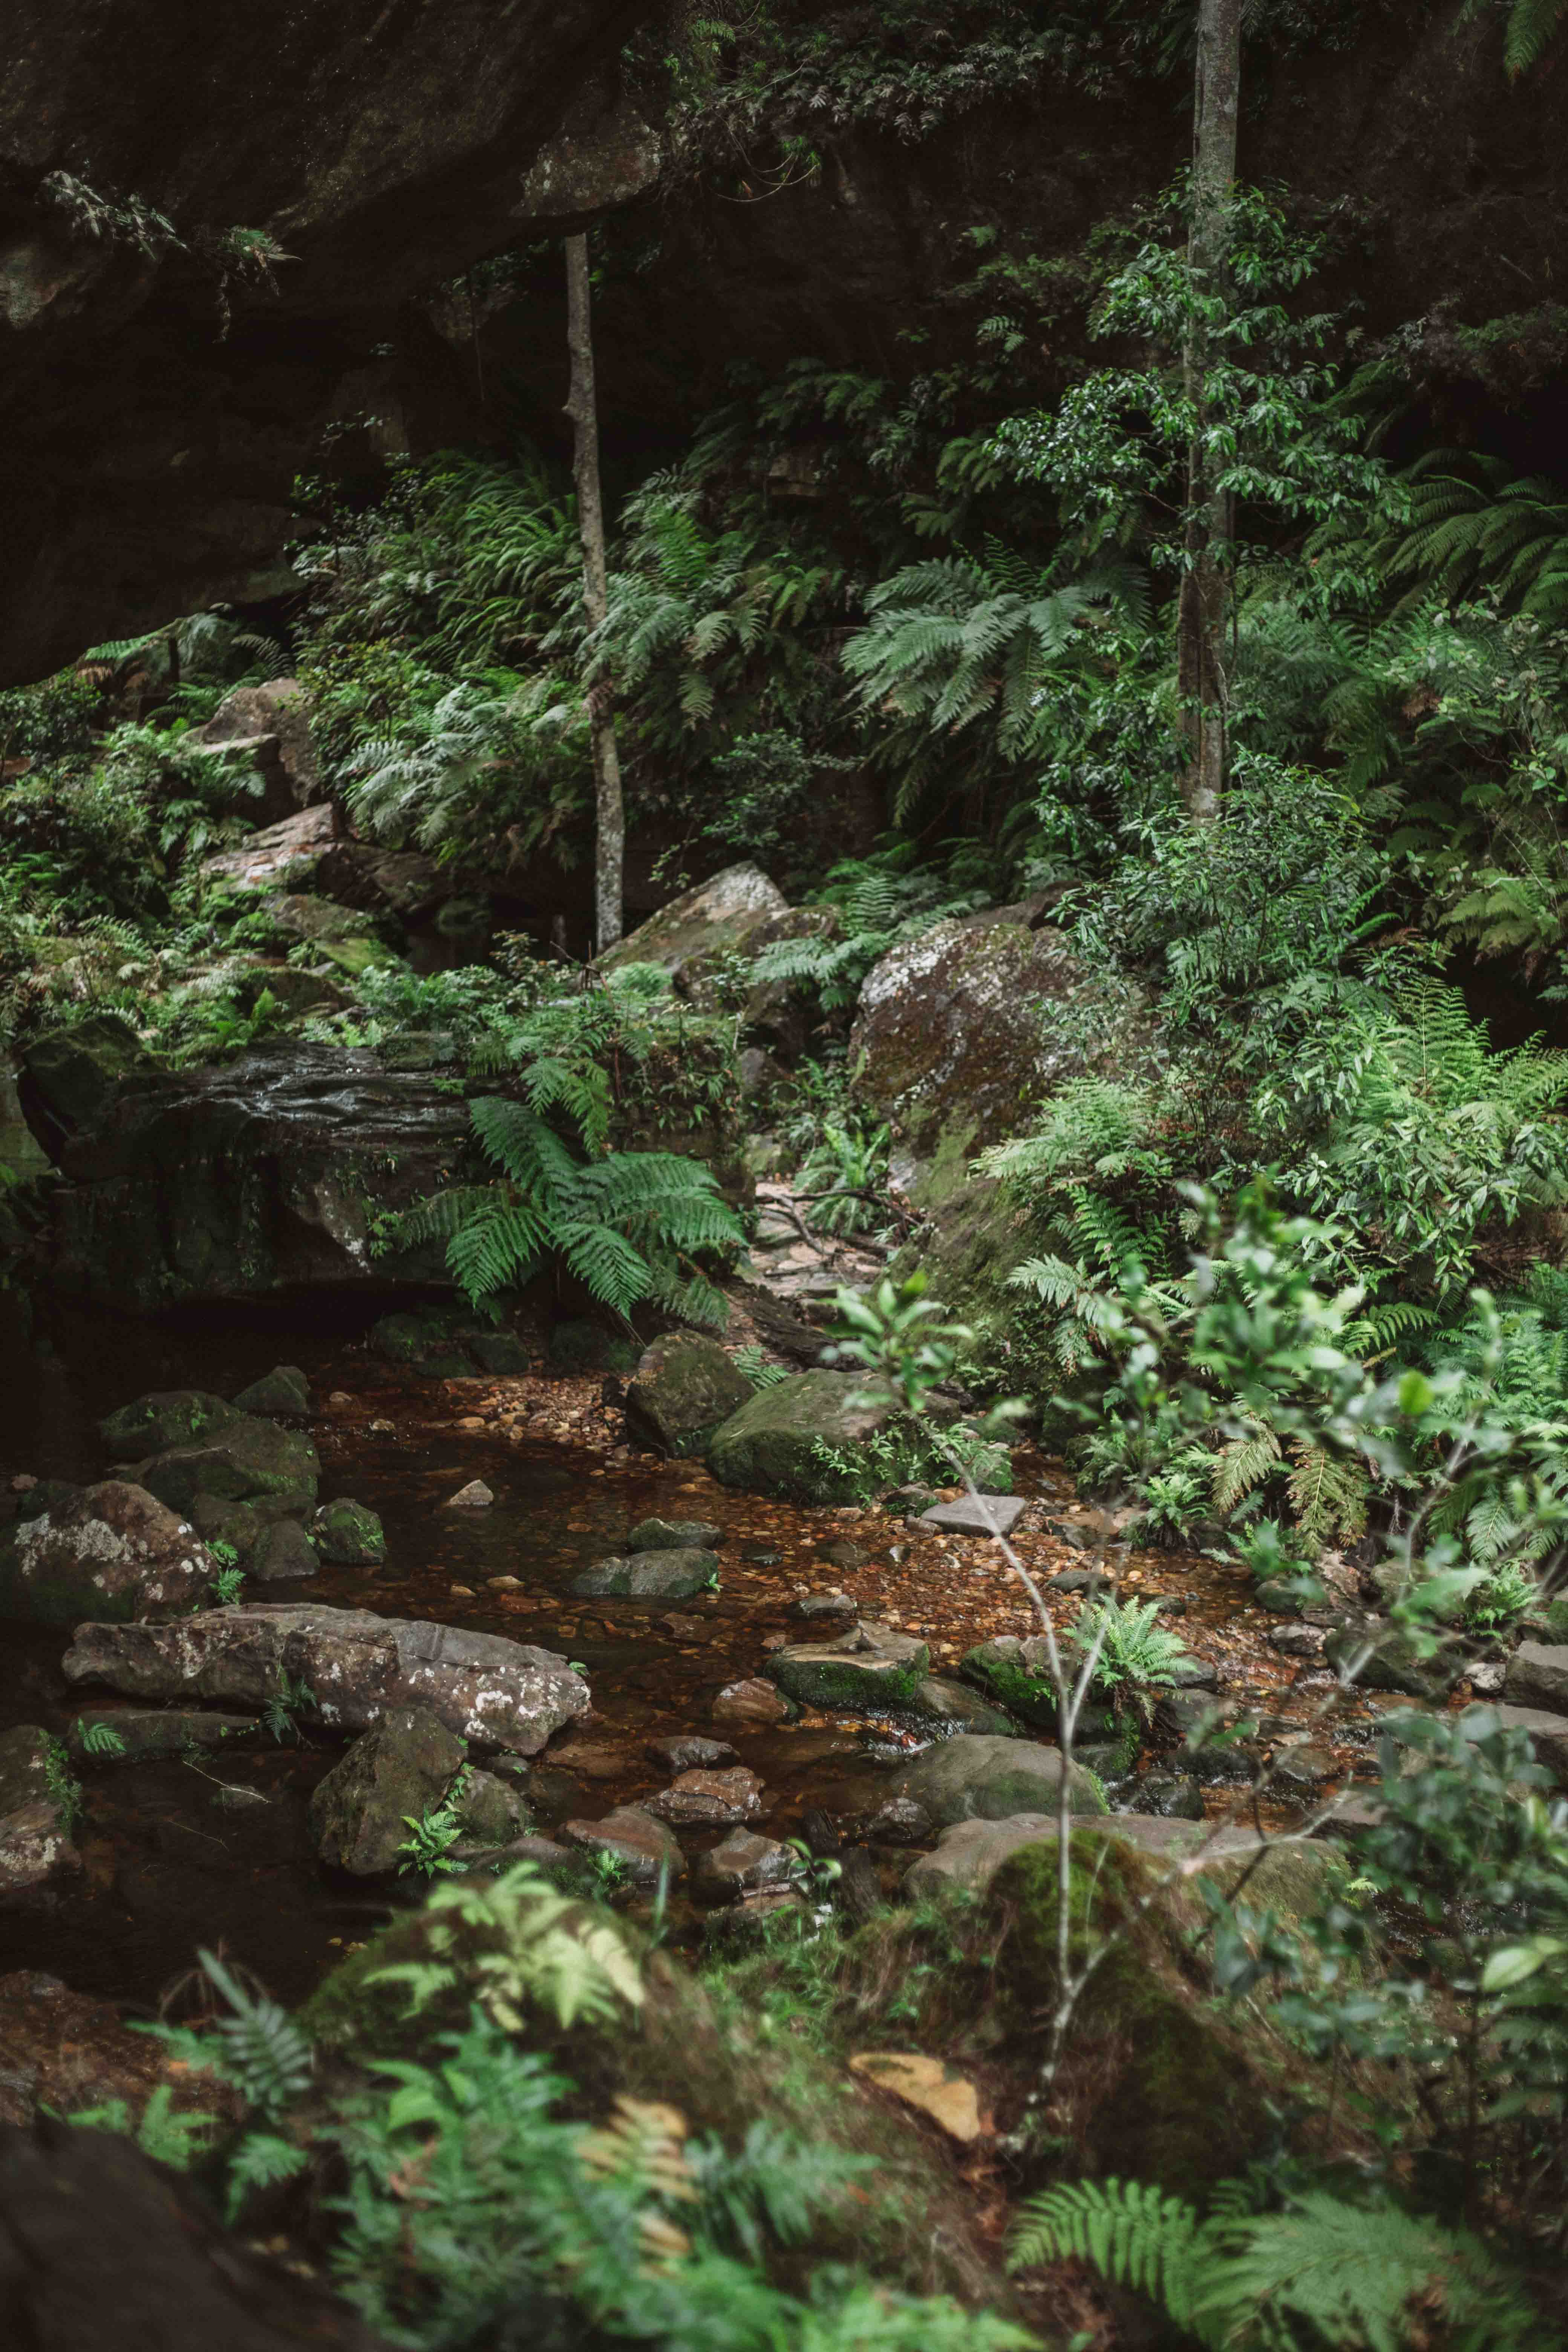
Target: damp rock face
(36,1847)
(404,1765)
(683,1389)
(649,1575)
(770,1442)
(497,1693)
(112,1551)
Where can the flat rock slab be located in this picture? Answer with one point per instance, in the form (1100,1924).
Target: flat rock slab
(740,1865)
(501,1694)
(707,1799)
(929,2085)
(674,1575)
(690,1752)
(992,1514)
(635,1837)
(869,1666)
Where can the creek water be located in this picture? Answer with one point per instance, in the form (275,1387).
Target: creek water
(216,1853)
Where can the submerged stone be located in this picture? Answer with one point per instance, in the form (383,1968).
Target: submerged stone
(649,1576)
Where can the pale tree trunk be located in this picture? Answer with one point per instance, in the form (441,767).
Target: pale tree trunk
(581,406)
(1201,675)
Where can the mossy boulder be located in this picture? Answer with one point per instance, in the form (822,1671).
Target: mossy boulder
(980,1777)
(949,1045)
(284,1393)
(684,1389)
(434,1341)
(490,1810)
(799,1439)
(349,1534)
(717,917)
(870,1668)
(113,1553)
(163,1418)
(1386,1657)
(674,1575)
(1015,1674)
(953,1703)
(502,1352)
(245,1461)
(402,1767)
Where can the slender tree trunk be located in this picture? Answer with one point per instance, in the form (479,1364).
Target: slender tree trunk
(1206,581)
(581,406)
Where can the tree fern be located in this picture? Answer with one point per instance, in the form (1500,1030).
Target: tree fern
(629,1226)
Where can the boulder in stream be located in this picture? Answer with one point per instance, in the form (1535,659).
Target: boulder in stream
(706,1800)
(649,1576)
(247,1461)
(684,1387)
(349,1534)
(633,1837)
(871,1667)
(402,1766)
(498,1693)
(673,1535)
(35,1848)
(282,1554)
(797,1439)
(112,1551)
(738,1865)
(974,1778)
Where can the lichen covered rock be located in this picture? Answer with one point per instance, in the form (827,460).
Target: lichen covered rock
(112,1551)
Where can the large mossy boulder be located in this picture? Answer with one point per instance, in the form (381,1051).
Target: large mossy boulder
(401,1767)
(673,1575)
(163,1418)
(872,1669)
(356,1665)
(799,1439)
(283,1392)
(112,1551)
(247,1461)
(975,1776)
(684,1389)
(949,1045)
(1014,1672)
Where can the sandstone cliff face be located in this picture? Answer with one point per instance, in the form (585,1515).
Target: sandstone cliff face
(381,144)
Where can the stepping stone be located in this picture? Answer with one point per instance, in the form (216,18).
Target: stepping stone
(475,1497)
(753,1705)
(634,1837)
(690,1752)
(992,1515)
(708,1800)
(738,1865)
(673,1535)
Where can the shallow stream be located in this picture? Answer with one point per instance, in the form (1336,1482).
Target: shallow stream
(179,1855)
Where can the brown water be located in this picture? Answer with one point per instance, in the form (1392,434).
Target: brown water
(178,1855)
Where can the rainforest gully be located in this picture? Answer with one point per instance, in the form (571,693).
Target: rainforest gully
(783,1177)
